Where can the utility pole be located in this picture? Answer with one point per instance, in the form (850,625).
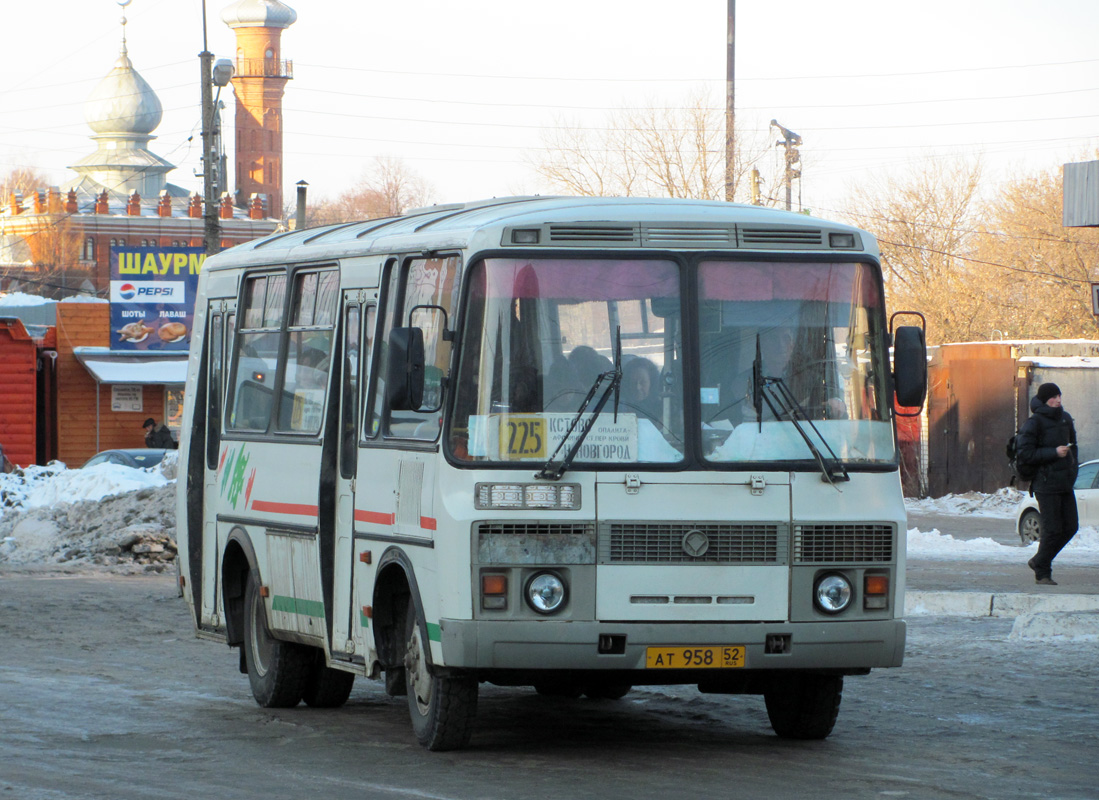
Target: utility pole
(730,117)
(791,143)
(211,228)
(213,165)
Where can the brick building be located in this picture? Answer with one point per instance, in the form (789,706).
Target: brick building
(58,241)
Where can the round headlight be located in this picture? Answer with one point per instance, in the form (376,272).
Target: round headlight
(833,593)
(545,592)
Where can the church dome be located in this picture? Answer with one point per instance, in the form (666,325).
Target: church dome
(123,103)
(259,14)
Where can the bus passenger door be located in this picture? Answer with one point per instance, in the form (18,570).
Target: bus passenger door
(357,333)
(220,318)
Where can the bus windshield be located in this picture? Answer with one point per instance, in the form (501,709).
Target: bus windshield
(539,333)
(781,342)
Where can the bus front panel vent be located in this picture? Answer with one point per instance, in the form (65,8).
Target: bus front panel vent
(654,542)
(838,543)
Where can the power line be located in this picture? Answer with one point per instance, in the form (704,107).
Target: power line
(649,80)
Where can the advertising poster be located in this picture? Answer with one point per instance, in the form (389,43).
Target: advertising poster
(153,296)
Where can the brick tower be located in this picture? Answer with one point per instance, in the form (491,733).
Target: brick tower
(259,82)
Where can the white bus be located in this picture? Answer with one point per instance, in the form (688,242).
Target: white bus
(578,444)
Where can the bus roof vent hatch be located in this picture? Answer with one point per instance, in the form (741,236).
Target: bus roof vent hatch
(579,235)
(689,236)
(782,238)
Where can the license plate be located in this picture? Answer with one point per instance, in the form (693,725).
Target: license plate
(725,656)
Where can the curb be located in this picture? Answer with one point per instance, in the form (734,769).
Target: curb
(994,604)
(1037,616)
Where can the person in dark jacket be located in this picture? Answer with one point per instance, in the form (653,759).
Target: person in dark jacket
(158,436)
(1048,441)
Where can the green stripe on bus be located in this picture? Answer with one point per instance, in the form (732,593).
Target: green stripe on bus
(295,605)
(434,632)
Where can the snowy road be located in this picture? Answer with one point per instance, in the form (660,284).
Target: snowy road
(104,693)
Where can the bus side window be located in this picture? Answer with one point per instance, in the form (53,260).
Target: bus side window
(213,392)
(358,344)
(434,282)
(255,353)
(309,351)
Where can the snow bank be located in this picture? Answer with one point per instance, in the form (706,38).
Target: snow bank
(106,515)
(1001,504)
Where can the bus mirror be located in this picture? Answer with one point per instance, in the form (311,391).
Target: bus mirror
(404,379)
(909,365)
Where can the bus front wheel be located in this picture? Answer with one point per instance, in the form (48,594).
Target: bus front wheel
(804,706)
(442,707)
(277,671)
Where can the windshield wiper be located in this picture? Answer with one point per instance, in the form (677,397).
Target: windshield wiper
(552,471)
(783,404)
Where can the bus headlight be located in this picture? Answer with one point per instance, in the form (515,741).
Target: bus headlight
(832,593)
(546,592)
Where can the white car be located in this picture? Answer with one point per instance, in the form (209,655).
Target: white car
(1028,522)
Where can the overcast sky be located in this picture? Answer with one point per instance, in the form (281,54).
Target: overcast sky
(460,89)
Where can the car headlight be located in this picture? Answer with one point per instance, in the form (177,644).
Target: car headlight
(546,592)
(832,593)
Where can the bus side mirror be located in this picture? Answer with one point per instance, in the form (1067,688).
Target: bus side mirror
(404,378)
(909,365)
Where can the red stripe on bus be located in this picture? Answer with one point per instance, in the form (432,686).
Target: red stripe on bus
(428,523)
(297,509)
(377,517)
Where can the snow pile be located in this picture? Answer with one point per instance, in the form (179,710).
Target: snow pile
(934,545)
(1000,504)
(107,516)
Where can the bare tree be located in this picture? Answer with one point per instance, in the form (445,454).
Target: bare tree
(1043,270)
(23,180)
(654,151)
(387,188)
(925,221)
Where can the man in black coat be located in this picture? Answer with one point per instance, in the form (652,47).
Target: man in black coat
(1048,441)
(158,435)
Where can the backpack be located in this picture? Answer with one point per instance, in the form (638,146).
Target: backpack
(1019,471)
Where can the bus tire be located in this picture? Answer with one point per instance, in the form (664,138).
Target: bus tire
(277,670)
(326,687)
(804,706)
(442,707)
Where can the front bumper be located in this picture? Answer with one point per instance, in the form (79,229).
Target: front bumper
(553,645)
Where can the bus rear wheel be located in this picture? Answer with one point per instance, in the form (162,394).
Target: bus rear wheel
(277,671)
(442,707)
(804,706)
(326,687)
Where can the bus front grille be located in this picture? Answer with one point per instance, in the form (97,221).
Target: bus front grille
(843,544)
(645,542)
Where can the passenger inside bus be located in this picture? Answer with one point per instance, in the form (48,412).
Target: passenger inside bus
(641,387)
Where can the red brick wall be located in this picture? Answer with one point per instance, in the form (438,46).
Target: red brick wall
(88,325)
(18,361)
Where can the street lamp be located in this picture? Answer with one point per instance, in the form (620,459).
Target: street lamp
(213,74)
